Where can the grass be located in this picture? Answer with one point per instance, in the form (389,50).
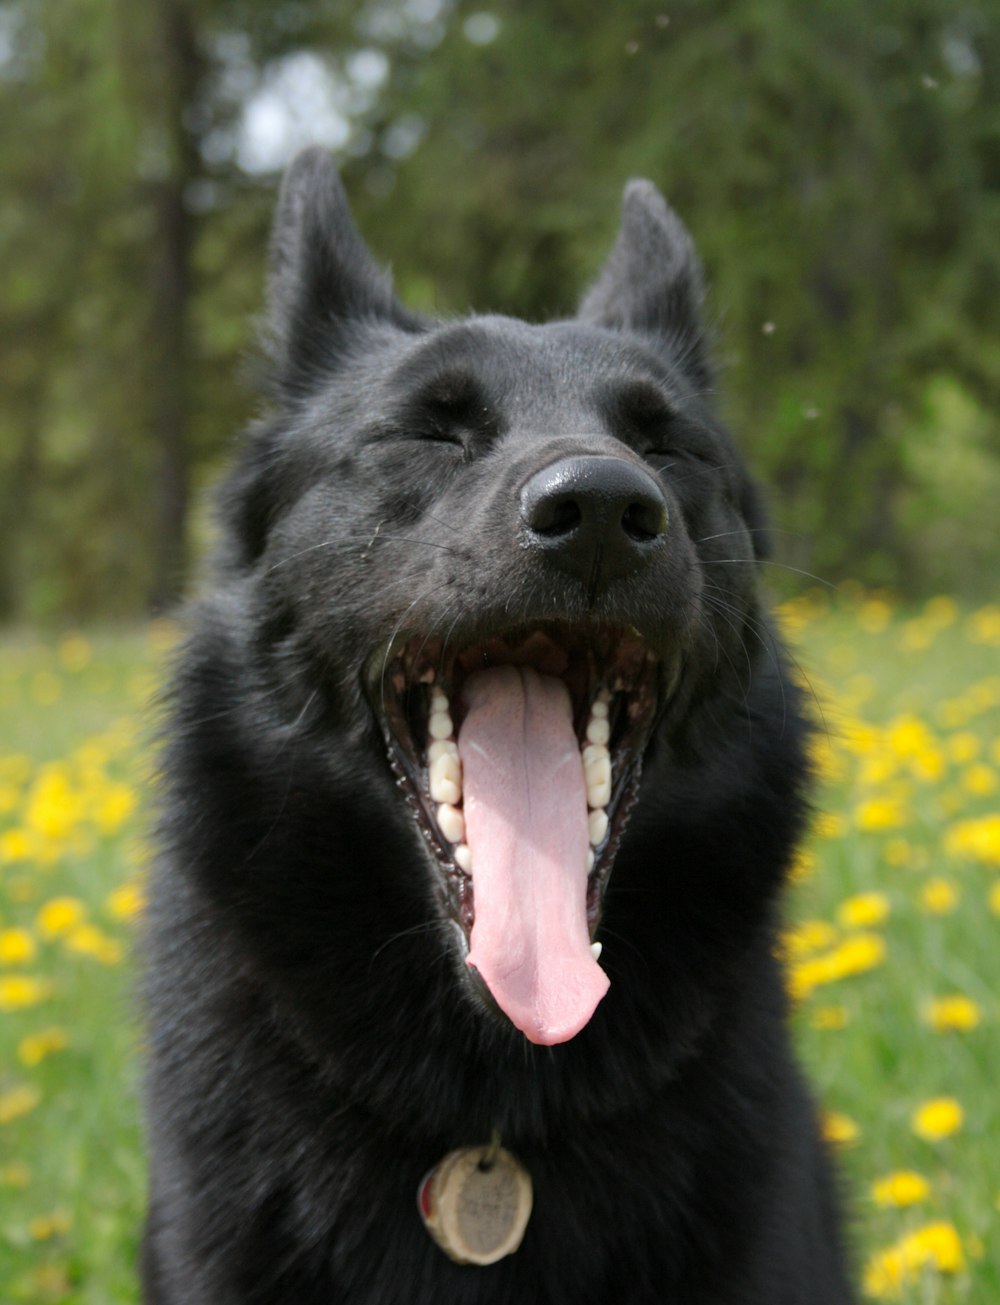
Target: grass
(896,906)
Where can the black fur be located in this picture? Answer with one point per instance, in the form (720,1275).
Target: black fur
(315,1044)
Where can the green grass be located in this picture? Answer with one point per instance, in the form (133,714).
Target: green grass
(910,707)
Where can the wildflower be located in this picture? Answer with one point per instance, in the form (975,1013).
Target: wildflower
(18,1101)
(874,615)
(88,940)
(963,747)
(33,1048)
(979,780)
(936,1245)
(939,897)
(18,992)
(114,807)
(956,1012)
(809,936)
(15,1174)
(17,947)
(126,902)
(838,1128)
(937,1119)
(43,1227)
(74,653)
(829,825)
(903,1187)
(829,1017)
(880,813)
(864,910)
(855,955)
(978,840)
(16,845)
(59,916)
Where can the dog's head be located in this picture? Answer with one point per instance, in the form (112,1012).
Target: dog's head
(519,556)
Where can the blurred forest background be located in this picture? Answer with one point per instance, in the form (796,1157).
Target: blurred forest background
(838,163)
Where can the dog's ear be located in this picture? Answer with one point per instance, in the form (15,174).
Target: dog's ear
(323,279)
(652,281)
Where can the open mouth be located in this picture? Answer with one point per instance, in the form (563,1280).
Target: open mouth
(520,757)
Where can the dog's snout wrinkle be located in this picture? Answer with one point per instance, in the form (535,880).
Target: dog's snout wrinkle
(597,518)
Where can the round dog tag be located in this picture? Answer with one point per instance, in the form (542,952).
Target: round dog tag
(476,1203)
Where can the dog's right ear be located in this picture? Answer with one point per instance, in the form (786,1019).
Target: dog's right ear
(322,277)
(652,281)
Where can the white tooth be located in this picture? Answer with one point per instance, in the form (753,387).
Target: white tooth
(439,701)
(442,748)
(595,950)
(604,695)
(597,826)
(451,823)
(598,731)
(592,752)
(445,779)
(439,726)
(590,859)
(599,793)
(463,857)
(599,710)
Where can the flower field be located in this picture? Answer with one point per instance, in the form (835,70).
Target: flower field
(892,946)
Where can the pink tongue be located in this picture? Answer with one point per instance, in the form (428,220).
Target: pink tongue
(526,827)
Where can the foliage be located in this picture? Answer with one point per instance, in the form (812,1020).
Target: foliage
(839,166)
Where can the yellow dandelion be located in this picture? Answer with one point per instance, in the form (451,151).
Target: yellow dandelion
(955,1012)
(20,991)
(941,611)
(15,1174)
(829,824)
(874,615)
(829,1017)
(936,1245)
(16,845)
(863,910)
(939,897)
(903,1187)
(60,915)
(46,1226)
(880,813)
(803,866)
(979,780)
(17,947)
(838,1128)
(18,1101)
(963,747)
(33,1048)
(983,626)
(937,1119)
(808,936)
(126,902)
(88,940)
(74,653)
(116,804)
(979,840)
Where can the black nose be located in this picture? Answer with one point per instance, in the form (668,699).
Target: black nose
(598,518)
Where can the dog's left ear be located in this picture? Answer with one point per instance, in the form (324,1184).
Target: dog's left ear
(652,281)
(323,280)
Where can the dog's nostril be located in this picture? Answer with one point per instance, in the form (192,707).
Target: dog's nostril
(553,517)
(644,520)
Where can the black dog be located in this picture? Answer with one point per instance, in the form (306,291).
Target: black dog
(481,683)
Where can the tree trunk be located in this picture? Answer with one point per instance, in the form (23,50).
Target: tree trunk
(170,306)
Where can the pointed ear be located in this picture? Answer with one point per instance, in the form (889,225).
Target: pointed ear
(652,281)
(323,280)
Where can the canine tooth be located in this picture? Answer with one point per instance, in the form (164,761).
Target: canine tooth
(440,725)
(599,710)
(595,950)
(439,701)
(445,779)
(597,826)
(442,748)
(463,857)
(451,823)
(598,731)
